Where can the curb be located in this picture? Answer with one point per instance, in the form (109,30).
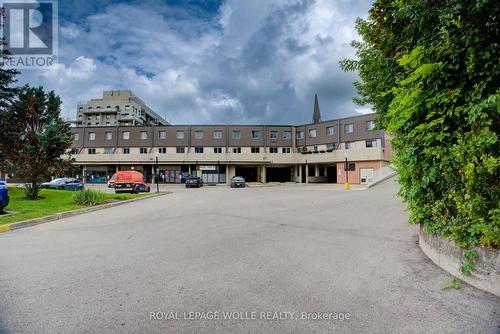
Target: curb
(385,178)
(68,214)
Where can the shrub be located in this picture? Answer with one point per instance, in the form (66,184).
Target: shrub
(430,70)
(89,198)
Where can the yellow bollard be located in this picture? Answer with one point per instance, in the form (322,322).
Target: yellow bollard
(347,186)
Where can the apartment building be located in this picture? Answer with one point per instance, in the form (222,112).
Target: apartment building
(315,152)
(116,108)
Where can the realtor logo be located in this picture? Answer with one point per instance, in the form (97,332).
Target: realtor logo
(30,31)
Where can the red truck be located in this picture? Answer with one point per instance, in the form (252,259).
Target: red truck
(131,181)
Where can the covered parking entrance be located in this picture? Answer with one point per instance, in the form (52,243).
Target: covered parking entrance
(250,174)
(279,174)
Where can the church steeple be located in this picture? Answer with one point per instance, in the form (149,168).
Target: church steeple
(316,113)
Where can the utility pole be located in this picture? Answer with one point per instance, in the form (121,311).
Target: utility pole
(347,186)
(157,176)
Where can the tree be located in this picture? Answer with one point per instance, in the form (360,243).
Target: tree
(7,78)
(430,69)
(33,136)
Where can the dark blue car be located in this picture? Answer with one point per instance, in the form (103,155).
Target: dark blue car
(4,195)
(64,183)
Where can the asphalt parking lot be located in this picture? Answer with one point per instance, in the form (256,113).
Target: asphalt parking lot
(282,252)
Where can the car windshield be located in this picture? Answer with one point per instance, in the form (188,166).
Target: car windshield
(57,180)
(239,179)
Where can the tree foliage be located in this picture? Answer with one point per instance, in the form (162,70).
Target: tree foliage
(430,69)
(7,79)
(34,137)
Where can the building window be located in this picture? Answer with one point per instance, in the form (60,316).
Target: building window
(349,128)
(108,150)
(108,123)
(330,146)
(180,150)
(349,145)
(179,134)
(329,131)
(255,134)
(108,117)
(236,135)
(312,148)
(312,133)
(273,135)
(273,150)
(371,143)
(108,135)
(162,150)
(287,135)
(370,125)
(125,135)
(91,151)
(127,107)
(255,149)
(126,150)
(89,108)
(198,135)
(76,136)
(162,135)
(286,150)
(300,134)
(144,135)
(218,150)
(236,149)
(217,134)
(91,135)
(350,166)
(198,150)
(143,150)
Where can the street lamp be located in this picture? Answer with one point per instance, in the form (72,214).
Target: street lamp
(347,186)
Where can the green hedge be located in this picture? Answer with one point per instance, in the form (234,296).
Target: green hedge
(431,70)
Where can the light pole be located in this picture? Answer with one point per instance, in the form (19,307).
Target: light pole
(347,186)
(157,176)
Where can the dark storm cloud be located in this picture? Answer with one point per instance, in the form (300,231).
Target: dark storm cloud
(208,61)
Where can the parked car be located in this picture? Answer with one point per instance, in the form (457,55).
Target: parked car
(4,195)
(194,182)
(111,182)
(64,183)
(238,182)
(131,181)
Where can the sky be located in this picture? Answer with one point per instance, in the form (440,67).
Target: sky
(209,61)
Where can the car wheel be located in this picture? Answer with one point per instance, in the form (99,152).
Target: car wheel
(60,188)
(136,190)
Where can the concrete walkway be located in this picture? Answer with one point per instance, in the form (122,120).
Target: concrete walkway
(215,249)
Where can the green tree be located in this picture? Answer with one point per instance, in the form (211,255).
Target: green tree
(33,136)
(431,71)
(7,79)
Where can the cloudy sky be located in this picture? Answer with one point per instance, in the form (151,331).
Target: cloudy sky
(207,61)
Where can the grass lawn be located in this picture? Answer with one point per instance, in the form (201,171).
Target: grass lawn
(54,201)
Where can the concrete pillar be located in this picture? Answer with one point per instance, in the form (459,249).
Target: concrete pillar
(263,174)
(189,170)
(153,174)
(326,171)
(84,171)
(300,173)
(307,173)
(316,170)
(228,179)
